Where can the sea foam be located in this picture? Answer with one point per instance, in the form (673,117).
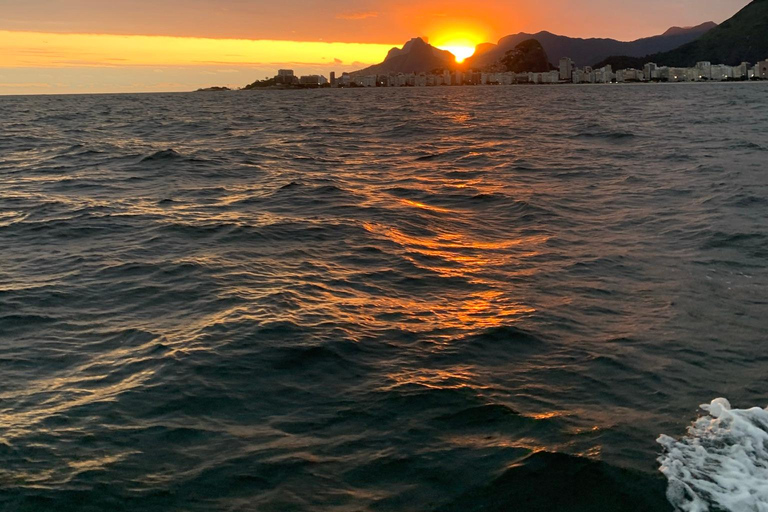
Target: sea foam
(721,463)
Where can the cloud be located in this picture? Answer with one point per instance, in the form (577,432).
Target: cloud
(338,61)
(357,15)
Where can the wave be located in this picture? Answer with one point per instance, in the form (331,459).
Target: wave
(607,135)
(166,154)
(721,463)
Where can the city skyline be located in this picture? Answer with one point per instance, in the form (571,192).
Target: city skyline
(86,46)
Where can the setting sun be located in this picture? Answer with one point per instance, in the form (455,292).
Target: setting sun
(458,37)
(461,50)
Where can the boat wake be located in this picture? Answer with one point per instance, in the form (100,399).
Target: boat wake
(721,464)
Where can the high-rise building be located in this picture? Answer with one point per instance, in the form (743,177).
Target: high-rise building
(649,71)
(333,79)
(566,69)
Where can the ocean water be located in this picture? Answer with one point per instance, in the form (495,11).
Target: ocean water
(444,299)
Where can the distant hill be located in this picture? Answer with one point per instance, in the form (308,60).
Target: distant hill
(743,38)
(416,56)
(586,52)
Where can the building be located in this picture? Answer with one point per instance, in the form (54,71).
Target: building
(649,71)
(677,74)
(567,72)
(721,72)
(603,75)
(285,77)
(313,80)
(761,69)
(566,69)
(705,70)
(741,71)
(580,76)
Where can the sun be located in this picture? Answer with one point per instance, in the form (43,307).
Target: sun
(460,42)
(461,50)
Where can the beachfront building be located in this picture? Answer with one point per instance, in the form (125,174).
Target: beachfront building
(721,72)
(629,75)
(286,77)
(761,69)
(313,80)
(705,70)
(566,69)
(741,71)
(649,71)
(603,75)
(579,77)
(549,77)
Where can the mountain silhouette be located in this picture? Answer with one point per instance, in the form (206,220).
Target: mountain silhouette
(743,38)
(586,52)
(416,56)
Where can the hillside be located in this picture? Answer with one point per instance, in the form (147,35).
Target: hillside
(528,56)
(743,38)
(585,52)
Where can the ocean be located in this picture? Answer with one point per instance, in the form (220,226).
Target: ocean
(445,299)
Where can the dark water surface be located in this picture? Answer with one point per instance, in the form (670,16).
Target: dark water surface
(446,299)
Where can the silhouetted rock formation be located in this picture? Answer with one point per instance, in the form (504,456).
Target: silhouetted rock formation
(416,56)
(528,56)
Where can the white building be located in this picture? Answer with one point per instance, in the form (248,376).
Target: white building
(285,76)
(741,71)
(566,69)
(649,71)
(721,72)
(705,70)
(629,75)
(580,77)
(315,80)
(604,75)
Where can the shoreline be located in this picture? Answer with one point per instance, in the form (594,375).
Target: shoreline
(441,87)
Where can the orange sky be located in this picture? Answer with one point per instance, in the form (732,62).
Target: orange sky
(249,38)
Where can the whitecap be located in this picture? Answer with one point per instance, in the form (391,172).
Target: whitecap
(721,464)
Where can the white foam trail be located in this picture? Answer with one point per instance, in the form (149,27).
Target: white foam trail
(721,463)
